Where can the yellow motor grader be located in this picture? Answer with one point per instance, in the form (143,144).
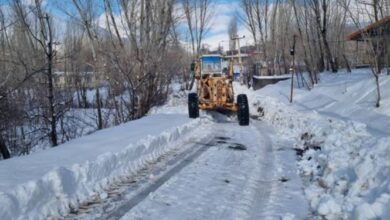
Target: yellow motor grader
(215,89)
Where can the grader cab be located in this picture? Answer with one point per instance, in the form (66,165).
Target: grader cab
(215,89)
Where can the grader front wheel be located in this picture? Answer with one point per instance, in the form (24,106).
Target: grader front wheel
(243,110)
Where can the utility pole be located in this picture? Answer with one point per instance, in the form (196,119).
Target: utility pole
(220,48)
(237,38)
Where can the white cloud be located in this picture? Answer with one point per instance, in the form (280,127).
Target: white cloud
(222,39)
(219,28)
(223,12)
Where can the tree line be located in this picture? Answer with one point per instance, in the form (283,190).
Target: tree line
(320,28)
(130,47)
(68,68)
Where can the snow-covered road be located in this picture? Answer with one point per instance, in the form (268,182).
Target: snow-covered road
(233,173)
(167,166)
(163,166)
(226,182)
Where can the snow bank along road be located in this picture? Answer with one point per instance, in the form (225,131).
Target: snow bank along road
(343,139)
(232,173)
(187,169)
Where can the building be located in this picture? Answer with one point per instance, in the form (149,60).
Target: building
(378,32)
(374,30)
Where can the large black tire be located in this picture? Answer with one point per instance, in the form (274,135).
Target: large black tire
(243,110)
(193,107)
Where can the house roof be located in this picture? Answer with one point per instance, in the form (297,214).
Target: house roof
(357,35)
(236,55)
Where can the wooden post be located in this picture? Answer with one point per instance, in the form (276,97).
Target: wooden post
(358,54)
(387,55)
(292,53)
(292,85)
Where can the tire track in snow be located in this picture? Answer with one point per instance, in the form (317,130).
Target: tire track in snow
(180,162)
(220,184)
(132,189)
(252,195)
(229,183)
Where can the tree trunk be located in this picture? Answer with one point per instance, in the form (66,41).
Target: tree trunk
(323,27)
(4,150)
(321,65)
(85,103)
(329,56)
(378,92)
(387,46)
(327,49)
(99,109)
(292,86)
(53,118)
(78,97)
(347,63)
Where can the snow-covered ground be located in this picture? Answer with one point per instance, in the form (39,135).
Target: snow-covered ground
(343,139)
(343,96)
(325,155)
(51,182)
(257,182)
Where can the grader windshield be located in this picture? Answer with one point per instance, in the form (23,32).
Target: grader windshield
(211,65)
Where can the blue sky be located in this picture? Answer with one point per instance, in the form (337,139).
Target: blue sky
(223,10)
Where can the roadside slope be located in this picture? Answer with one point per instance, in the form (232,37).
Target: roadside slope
(347,96)
(51,182)
(343,157)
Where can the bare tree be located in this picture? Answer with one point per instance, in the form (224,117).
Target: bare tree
(320,9)
(376,42)
(198,15)
(85,9)
(42,88)
(43,38)
(302,19)
(258,21)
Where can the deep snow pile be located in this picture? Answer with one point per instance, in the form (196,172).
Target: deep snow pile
(344,162)
(344,96)
(50,183)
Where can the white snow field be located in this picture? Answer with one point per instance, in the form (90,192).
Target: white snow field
(326,156)
(344,141)
(241,173)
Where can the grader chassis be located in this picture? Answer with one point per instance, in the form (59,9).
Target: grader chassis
(215,89)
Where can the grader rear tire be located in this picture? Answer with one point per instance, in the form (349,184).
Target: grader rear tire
(243,110)
(193,107)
